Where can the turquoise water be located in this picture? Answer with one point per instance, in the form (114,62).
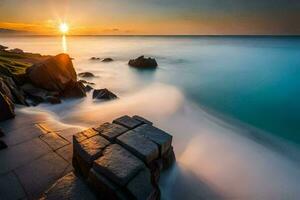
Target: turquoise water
(203,92)
(255,80)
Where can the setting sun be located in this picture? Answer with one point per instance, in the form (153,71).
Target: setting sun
(64,28)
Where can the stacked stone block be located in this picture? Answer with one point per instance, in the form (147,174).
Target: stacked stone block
(123,159)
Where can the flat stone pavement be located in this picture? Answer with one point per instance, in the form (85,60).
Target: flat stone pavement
(39,152)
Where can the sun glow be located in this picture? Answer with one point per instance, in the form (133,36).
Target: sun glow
(64,28)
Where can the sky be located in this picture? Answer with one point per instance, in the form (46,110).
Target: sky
(152,17)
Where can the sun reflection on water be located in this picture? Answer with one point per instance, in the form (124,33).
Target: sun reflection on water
(64,44)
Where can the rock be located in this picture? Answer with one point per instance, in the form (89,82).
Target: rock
(161,138)
(74,90)
(140,186)
(127,122)
(91,148)
(88,133)
(54,74)
(87,150)
(16,50)
(128,164)
(104,94)
(86,82)
(94,58)
(104,187)
(139,145)
(2,145)
(111,131)
(7,108)
(107,60)
(53,100)
(5,72)
(1,133)
(168,158)
(18,95)
(141,119)
(3,48)
(37,94)
(86,74)
(4,89)
(142,62)
(69,187)
(88,88)
(118,164)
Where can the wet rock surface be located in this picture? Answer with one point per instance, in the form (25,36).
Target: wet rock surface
(143,148)
(143,63)
(104,94)
(2,145)
(86,75)
(1,133)
(107,60)
(74,90)
(7,108)
(127,122)
(70,187)
(123,159)
(111,131)
(88,88)
(37,94)
(94,58)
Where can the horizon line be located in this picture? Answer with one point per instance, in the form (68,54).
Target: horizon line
(153,35)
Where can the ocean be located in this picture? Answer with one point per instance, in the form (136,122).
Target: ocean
(231,103)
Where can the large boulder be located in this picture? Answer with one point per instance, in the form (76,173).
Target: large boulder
(104,94)
(142,62)
(54,74)
(6,107)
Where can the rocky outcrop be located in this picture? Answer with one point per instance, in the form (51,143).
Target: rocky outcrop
(11,90)
(39,95)
(16,50)
(6,107)
(74,90)
(57,74)
(88,88)
(107,60)
(4,89)
(142,62)
(123,159)
(86,75)
(104,94)
(3,48)
(54,74)
(17,93)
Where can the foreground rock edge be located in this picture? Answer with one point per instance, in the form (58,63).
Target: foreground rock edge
(106,169)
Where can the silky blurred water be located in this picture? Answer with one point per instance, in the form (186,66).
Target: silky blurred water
(231,103)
